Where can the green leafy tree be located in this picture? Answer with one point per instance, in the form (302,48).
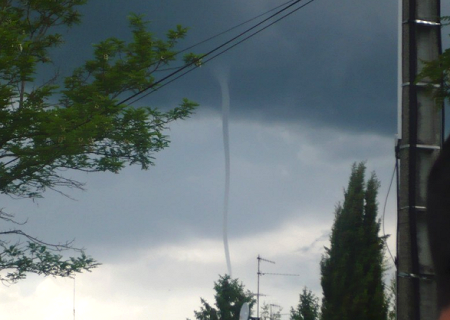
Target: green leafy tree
(267,313)
(276,315)
(230,296)
(308,307)
(353,267)
(437,73)
(49,126)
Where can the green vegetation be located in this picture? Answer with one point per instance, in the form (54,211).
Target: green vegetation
(269,314)
(437,74)
(230,296)
(308,307)
(352,268)
(74,123)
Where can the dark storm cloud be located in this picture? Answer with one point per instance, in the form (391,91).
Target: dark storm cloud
(277,176)
(325,66)
(304,95)
(331,63)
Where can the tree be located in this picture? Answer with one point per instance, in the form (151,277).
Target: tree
(353,267)
(436,73)
(390,299)
(230,296)
(267,312)
(72,123)
(308,307)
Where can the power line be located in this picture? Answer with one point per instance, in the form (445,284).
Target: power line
(384,212)
(255,33)
(222,33)
(235,27)
(218,54)
(203,56)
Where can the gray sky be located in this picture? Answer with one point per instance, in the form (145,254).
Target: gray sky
(309,96)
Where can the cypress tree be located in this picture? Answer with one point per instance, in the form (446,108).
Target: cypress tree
(352,268)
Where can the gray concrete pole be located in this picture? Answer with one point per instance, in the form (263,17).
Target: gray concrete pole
(421,137)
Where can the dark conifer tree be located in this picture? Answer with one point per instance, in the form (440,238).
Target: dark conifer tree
(352,268)
(308,307)
(230,296)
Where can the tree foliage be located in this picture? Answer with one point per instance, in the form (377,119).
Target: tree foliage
(308,307)
(40,258)
(49,126)
(229,298)
(353,267)
(391,299)
(267,313)
(437,73)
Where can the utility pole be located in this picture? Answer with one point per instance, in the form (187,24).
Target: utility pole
(420,139)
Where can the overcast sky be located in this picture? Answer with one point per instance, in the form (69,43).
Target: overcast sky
(311,95)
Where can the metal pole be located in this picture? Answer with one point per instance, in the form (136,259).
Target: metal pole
(270,315)
(74,298)
(421,122)
(257,294)
(259,274)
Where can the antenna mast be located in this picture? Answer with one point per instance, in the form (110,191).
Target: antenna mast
(261,274)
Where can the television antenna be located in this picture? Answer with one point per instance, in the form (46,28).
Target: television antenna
(271,317)
(265,273)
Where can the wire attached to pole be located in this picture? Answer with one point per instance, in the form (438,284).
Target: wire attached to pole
(154,86)
(384,212)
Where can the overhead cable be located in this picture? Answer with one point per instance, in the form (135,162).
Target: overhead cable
(232,28)
(202,56)
(384,212)
(222,33)
(214,50)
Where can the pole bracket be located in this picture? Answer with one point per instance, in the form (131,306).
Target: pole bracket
(421,84)
(418,208)
(421,276)
(421,146)
(423,22)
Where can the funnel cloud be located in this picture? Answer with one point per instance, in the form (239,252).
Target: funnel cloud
(222,77)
